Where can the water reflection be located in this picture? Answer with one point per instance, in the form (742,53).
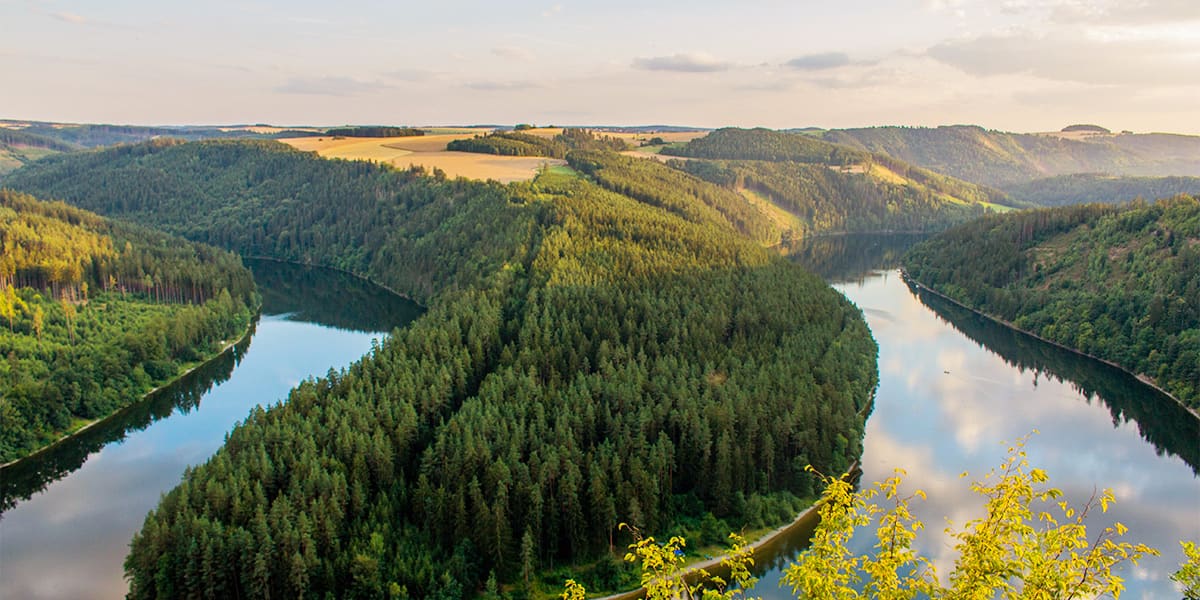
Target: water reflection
(327,297)
(953,390)
(28,477)
(853,257)
(73,511)
(1160,421)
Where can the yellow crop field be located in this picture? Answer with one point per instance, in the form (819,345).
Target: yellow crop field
(428,151)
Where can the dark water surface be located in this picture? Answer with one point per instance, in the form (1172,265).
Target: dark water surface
(70,512)
(954,387)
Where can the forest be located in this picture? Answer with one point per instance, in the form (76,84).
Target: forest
(607,345)
(1001,159)
(374,131)
(99,313)
(1118,282)
(804,186)
(1083,188)
(516,143)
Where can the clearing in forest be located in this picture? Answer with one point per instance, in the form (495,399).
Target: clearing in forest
(428,151)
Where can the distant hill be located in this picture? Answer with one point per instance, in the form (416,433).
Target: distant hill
(89,135)
(19,148)
(1095,187)
(1085,128)
(811,186)
(1002,159)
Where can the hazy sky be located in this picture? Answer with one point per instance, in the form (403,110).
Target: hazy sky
(1020,65)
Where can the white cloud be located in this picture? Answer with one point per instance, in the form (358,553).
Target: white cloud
(1108,12)
(503,86)
(67,17)
(818,62)
(682,63)
(514,52)
(1071,57)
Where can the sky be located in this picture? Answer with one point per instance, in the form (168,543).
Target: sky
(1014,65)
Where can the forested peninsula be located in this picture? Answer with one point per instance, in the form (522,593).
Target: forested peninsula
(97,313)
(1121,283)
(600,347)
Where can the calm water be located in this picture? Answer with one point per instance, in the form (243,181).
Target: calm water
(69,515)
(954,387)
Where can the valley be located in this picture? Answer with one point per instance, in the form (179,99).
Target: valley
(601,326)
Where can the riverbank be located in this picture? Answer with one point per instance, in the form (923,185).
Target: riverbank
(72,434)
(1143,378)
(771,544)
(360,277)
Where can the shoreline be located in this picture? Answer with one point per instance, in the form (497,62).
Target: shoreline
(365,278)
(1141,377)
(67,437)
(808,516)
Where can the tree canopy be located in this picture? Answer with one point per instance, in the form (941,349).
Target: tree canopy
(593,353)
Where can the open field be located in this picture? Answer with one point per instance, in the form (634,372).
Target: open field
(428,151)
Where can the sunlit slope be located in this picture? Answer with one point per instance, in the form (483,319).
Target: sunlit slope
(813,186)
(589,357)
(1001,159)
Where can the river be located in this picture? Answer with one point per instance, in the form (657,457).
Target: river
(70,512)
(955,387)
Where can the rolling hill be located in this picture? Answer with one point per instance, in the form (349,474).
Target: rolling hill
(622,357)
(1001,159)
(808,186)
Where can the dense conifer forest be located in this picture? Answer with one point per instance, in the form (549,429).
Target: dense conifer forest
(598,349)
(1118,282)
(807,186)
(375,131)
(516,143)
(97,313)
(1002,159)
(1083,188)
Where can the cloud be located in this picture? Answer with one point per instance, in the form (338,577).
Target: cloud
(67,17)
(1071,58)
(682,63)
(553,10)
(1109,12)
(818,62)
(411,75)
(514,52)
(329,86)
(503,86)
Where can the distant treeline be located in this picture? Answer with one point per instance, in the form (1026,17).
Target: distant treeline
(588,358)
(93,136)
(765,144)
(1001,159)
(21,137)
(515,143)
(819,187)
(97,313)
(1085,188)
(1118,282)
(374,131)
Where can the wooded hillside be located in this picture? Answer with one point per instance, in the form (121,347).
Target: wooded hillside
(98,313)
(1118,282)
(588,358)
